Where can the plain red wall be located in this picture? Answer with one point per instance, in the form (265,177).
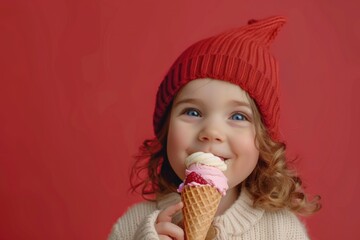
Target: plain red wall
(78,83)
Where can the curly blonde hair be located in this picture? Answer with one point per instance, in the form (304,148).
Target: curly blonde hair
(272,184)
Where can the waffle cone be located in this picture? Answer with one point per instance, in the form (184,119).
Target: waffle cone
(200,205)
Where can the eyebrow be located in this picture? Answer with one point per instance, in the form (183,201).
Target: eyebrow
(199,102)
(240,103)
(189,100)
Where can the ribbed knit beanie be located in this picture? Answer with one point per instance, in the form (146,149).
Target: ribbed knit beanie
(240,56)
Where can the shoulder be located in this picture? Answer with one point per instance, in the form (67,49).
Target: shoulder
(129,222)
(286,224)
(142,208)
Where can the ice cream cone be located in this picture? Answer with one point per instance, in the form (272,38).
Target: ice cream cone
(200,205)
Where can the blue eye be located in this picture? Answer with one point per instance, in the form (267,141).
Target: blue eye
(238,117)
(192,112)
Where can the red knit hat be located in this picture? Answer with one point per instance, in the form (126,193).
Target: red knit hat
(240,56)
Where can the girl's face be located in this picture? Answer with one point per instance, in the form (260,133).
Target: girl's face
(213,116)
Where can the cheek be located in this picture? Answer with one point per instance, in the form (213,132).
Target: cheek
(243,139)
(246,149)
(252,158)
(178,136)
(177,144)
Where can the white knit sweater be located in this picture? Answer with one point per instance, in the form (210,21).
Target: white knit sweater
(240,221)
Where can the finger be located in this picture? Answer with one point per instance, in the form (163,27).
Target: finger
(170,229)
(167,213)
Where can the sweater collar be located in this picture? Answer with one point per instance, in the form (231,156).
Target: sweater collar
(240,217)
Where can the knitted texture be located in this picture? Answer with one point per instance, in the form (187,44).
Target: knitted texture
(240,221)
(240,56)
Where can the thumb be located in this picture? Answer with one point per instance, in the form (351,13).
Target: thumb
(167,214)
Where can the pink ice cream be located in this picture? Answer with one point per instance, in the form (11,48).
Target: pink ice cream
(208,167)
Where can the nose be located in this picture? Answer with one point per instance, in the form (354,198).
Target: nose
(212,132)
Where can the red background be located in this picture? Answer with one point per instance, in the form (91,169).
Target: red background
(78,83)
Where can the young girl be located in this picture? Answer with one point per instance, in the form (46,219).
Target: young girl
(220,96)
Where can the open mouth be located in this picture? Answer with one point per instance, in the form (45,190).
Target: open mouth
(222,158)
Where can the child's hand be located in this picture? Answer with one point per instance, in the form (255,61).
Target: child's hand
(165,228)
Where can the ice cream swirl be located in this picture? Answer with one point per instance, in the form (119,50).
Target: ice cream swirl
(207,159)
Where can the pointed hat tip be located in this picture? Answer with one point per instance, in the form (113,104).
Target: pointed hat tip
(281,20)
(268,28)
